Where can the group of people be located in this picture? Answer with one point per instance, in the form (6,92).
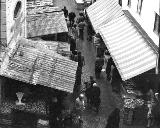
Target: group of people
(91,99)
(92,93)
(90,96)
(75,27)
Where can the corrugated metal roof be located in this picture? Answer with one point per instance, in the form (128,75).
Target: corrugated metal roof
(38,65)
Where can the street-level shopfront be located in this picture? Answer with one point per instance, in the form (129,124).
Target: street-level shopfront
(31,72)
(133,55)
(132,51)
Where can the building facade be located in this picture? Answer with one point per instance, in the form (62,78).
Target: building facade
(147,14)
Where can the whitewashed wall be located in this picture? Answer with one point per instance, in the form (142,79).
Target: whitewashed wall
(147,17)
(15,26)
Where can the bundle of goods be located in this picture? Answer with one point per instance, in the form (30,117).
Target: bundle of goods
(42,123)
(47,23)
(133,103)
(129,84)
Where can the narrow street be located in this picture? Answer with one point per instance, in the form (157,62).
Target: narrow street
(109,100)
(123,33)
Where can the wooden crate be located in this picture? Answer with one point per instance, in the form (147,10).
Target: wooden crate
(12,27)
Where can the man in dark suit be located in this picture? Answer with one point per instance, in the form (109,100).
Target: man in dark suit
(95,98)
(71,16)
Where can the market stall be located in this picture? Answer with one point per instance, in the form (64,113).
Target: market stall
(131,101)
(33,63)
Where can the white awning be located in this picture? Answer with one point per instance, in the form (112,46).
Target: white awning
(129,49)
(103,11)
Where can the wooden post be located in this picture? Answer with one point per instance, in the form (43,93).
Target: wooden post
(159,58)
(0,90)
(2,82)
(56,37)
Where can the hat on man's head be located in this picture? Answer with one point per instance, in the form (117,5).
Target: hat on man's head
(81,95)
(94,84)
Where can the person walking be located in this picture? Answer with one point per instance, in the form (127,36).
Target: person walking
(72,16)
(65,12)
(75,36)
(80,18)
(75,32)
(54,112)
(72,44)
(92,81)
(156,108)
(113,119)
(81,61)
(108,68)
(88,92)
(81,26)
(116,80)
(98,66)
(77,82)
(95,97)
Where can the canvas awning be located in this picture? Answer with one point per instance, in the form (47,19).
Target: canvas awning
(32,63)
(129,49)
(103,11)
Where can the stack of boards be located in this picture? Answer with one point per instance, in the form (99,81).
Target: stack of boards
(35,66)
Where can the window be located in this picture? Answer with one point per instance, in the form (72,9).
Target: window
(156,28)
(139,6)
(17,9)
(129,3)
(120,2)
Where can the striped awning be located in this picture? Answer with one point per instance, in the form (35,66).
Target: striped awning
(103,11)
(129,49)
